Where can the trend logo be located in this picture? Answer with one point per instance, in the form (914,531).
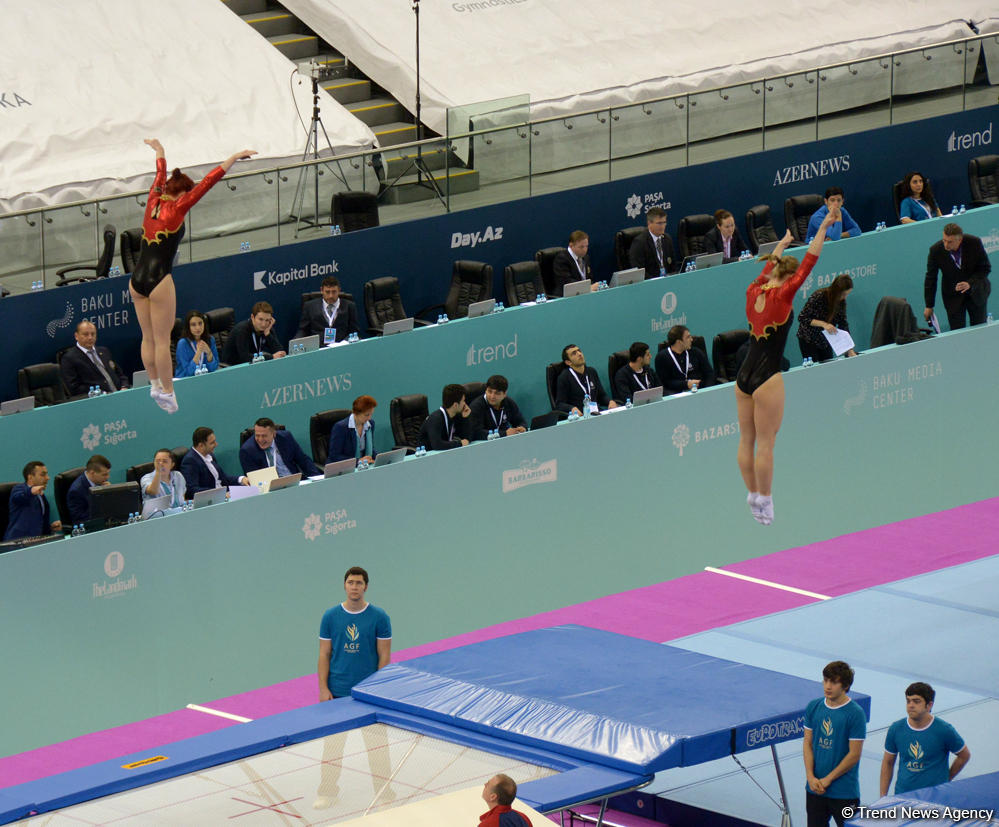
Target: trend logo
(969,140)
(58,324)
(857,399)
(634,206)
(91,437)
(827,727)
(352,632)
(916,751)
(681,437)
(114,564)
(312,527)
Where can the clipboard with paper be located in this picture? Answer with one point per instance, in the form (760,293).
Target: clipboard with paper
(841,341)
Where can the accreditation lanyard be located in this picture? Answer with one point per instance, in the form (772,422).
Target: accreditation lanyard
(329,311)
(677,363)
(585,388)
(258,342)
(638,379)
(925,206)
(498,422)
(448,427)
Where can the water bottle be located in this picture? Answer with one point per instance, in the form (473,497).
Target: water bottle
(491,435)
(586,406)
(988,319)
(244,246)
(628,403)
(953,210)
(440,318)
(337,230)
(963,209)
(444,318)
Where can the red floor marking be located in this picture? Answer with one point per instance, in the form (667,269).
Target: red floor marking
(267,807)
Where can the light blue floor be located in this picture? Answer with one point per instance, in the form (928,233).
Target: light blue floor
(942,628)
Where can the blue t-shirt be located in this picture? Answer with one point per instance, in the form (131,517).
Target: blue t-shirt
(834,232)
(916,210)
(831,733)
(922,753)
(354,638)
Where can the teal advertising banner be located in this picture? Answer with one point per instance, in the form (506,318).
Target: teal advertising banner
(135,621)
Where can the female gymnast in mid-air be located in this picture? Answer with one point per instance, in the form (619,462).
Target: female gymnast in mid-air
(151,284)
(759,387)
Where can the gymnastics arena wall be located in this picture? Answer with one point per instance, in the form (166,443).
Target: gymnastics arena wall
(125,624)
(420,253)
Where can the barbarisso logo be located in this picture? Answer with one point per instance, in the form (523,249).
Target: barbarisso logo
(530,472)
(114,566)
(262,279)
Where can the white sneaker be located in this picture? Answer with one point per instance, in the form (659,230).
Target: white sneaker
(752,500)
(765,506)
(167,401)
(155,387)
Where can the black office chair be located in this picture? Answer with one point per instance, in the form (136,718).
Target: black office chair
(546,259)
(42,381)
(175,333)
(759,227)
(983,178)
(623,240)
(60,488)
(690,234)
(897,196)
(100,270)
(246,433)
(178,455)
(407,415)
(221,321)
(383,304)
(134,473)
(547,420)
(354,210)
(615,362)
(471,281)
(320,427)
(552,373)
(724,348)
(5,489)
(317,294)
(798,211)
(522,282)
(473,389)
(130,247)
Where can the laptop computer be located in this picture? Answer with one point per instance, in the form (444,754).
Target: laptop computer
(647,395)
(305,344)
(390,457)
(213,496)
(629,276)
(241,492)
(140,378)
(706,260)
(768,248)
(262,478)
(397,326)
(285,482)
(335,469)
(13,406)
(482,308)
(157,505)
(576,288)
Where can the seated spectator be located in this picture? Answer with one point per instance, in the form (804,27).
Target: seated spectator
(269,447)
(825,310)
(681,366)
(196,348)
(724,237)
(78,501)
(918,202)
(28,510)
(354,437)
(846,227)
(332,310)
(578,381)
(653,251)
(252,337)
(163,480)
(87,365)
(573,264)
(495,411)
(447,427)
(636,375)
(201,471)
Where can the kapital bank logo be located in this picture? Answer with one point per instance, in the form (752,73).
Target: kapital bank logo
(476,238)
(969,140)
(491,353)
(262,279)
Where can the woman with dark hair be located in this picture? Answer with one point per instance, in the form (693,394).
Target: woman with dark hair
(918,203)
(151,285)
(354,437)
(196,348)
(825,310)
(759,386)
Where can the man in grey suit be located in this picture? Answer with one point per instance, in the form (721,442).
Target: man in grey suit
(330,311)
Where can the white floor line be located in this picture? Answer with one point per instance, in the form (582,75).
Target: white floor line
(219,713)
(769,583)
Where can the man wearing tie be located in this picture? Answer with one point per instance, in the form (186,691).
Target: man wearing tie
(965,286)
(572,264)
(653,250)
(271,448)
(87,365)
(330,311)
(29,509)
(201,471)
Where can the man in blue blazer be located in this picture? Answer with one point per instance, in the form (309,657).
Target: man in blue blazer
(29,509)
(78,497)
(201,471)
(270,447)
(332,310)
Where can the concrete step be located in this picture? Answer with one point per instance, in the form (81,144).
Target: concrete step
(242,7)
(294,46)
(389,134)
(396,162)
(271,22)
(348,90)
(408,189)
(378,111)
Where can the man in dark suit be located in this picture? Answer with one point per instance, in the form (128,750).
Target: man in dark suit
(447,427)
(578,381)
(636,375)
(332,310)
(681,366)
(965,287)
(724,238)
(87,365)
(653,250)
(495,411)
(253,336)
(201,471)
(78,500)
(270,447)
(29,509)
(572,264)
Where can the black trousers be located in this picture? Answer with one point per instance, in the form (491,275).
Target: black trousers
(819,354)
(819,809)
(963,303)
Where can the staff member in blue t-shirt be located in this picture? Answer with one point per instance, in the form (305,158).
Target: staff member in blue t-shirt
(923,741)
(835,728)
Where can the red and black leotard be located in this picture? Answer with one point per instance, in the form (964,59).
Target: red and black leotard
(163,228)
(769,327)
